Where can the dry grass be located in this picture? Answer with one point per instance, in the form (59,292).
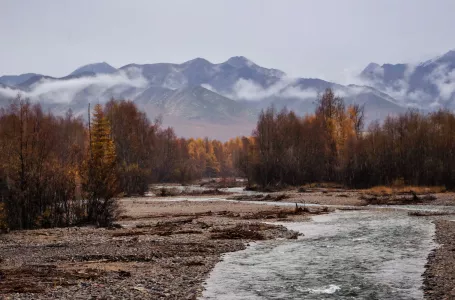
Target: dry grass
(391,190)
(326,185)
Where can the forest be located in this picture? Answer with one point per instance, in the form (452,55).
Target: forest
(61,170)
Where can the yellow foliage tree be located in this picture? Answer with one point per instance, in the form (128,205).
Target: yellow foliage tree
(100,182)
(212,164)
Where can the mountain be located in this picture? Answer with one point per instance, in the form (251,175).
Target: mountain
(194,103)
(197,97)
(28,84)
(14,80)
(427,85)
(221,77)
(300,96)
(97,68)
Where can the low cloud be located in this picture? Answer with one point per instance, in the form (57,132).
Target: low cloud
(8,93)
(296,92)
(399,89)
(63,91)
(249,90)
(209,87)
(444,79)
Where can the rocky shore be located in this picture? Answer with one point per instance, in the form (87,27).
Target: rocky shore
(159,250)
(439,276)
(164,248)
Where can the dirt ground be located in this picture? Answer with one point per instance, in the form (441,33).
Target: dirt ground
(163,250)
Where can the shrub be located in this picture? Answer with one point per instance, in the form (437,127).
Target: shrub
(3,219)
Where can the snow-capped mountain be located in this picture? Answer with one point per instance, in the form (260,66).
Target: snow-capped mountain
(219,100)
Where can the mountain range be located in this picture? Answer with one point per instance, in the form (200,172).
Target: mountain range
(200,98)
(427,85)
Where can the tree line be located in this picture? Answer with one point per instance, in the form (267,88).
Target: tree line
(332,145)
(62,170)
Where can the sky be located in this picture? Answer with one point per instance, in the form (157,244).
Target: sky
(327,39)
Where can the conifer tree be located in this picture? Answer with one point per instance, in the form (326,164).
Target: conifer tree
(100,182)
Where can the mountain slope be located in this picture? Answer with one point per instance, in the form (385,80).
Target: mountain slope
(96,68)
(14,80)
(428,85)
(194,103)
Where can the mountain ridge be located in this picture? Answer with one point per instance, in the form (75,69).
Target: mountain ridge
(226,93)
(427,85)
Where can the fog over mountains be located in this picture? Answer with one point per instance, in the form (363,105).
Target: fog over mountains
(199,98)
(428,85)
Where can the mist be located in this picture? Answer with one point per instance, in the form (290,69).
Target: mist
(64,91)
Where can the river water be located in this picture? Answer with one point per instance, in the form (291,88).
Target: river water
(343,255)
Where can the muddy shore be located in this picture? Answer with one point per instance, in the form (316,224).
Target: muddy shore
(163,250)
(439,276)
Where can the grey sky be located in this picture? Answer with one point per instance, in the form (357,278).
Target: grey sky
(309,38)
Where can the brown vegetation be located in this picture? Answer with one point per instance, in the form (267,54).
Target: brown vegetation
(3,218)
(399,190)
(329,146)
(396,200)
(41,155)
(56,171)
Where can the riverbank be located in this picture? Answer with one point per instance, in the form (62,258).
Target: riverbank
(165,247)
(439,277)
(327,196)
(158,250)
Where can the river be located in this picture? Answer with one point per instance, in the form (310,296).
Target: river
(367,254)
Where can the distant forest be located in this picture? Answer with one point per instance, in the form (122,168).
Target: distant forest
(62,171)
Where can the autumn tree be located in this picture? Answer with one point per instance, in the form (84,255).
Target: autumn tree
(100,180)
(38,174)
(133,137)
(244,157)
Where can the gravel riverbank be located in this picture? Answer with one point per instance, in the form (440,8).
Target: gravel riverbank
(164,250)
(439,277)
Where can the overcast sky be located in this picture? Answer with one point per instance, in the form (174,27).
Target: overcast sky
(327,39)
